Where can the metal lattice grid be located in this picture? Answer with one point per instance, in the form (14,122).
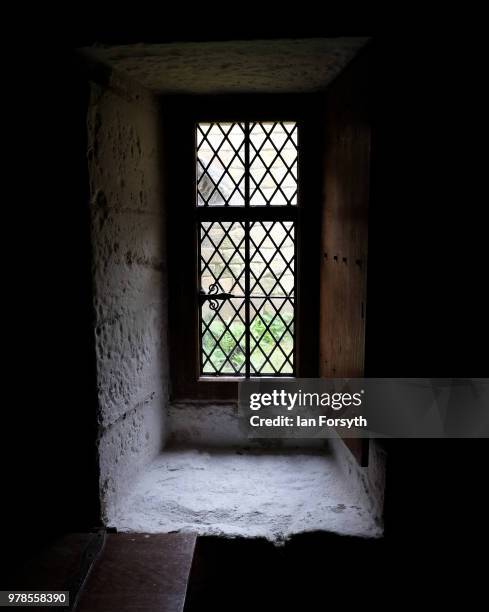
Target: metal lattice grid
(222,151)
(273,164)
(237,330)
(220,164)
(222,302)
(272,297)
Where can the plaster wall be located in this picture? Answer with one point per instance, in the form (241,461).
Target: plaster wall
(129,281)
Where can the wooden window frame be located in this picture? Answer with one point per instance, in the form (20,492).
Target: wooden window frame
(186,384)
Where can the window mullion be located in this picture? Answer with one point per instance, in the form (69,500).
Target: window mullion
(247,249)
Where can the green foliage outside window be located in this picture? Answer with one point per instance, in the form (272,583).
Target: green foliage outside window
(232,344)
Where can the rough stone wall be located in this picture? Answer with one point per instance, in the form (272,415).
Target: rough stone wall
(208,425)
(129,276)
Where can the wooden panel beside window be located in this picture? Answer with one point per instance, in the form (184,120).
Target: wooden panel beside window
(344,239)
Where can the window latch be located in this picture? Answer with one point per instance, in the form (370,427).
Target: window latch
(214,294)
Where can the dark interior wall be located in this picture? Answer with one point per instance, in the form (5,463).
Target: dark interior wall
(130,295)
(426,304)
(50,460)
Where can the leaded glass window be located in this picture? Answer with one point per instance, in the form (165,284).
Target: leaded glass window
(246,202)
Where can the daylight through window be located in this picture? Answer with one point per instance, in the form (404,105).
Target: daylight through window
(246,201)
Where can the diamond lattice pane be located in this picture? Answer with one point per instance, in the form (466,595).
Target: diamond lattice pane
(273,164)
(222,256)
(220,164)
(224,338)
(272,297)
(272,258)
(271,336)
(222,270)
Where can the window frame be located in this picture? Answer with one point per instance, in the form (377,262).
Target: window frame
(186,383)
